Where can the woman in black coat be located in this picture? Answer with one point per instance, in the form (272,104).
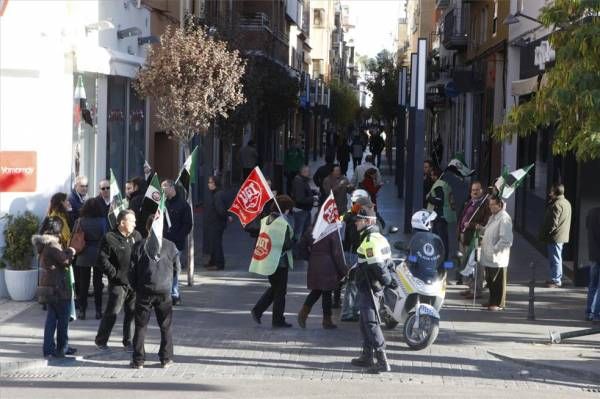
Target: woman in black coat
(215,221)
(326,268)
(94,225)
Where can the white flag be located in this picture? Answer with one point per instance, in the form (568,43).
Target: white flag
(328,219)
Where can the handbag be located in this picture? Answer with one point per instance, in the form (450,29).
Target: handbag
(78,238)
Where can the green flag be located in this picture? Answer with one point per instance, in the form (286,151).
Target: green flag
(153,244)
(117,202)
(187,176)
(151,199)
(507,183)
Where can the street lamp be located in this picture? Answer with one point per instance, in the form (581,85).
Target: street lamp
(514,18)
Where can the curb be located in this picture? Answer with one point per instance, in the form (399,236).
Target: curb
(592,376)
(9,367)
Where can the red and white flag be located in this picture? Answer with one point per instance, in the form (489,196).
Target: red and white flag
(252,197)
(328,219)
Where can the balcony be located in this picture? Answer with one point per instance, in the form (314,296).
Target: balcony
(454,33)
(441,4)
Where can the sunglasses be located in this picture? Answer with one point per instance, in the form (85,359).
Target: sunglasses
(83,185)
(104,188)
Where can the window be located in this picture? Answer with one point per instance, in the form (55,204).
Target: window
(318,16)
(316,67)
(495,20)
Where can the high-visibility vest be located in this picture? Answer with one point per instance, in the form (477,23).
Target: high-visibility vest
(269,247)
(373,249)
(449,213)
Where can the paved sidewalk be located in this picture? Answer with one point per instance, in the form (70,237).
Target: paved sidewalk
(220,352)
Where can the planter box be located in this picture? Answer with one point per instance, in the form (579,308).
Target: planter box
(3,290)
(21,284)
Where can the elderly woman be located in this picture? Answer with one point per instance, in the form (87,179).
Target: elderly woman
(326,268)
(54,289)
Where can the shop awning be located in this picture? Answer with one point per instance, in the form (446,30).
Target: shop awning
(107,62)
(524,86)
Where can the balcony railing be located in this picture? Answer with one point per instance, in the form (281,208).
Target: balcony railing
(454,33)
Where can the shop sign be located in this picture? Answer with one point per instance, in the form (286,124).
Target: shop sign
(18,171)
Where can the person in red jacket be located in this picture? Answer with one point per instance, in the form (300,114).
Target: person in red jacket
(370,184)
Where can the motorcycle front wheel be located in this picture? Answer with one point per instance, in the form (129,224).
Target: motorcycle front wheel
(425,335)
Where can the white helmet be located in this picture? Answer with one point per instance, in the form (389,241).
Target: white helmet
(421,220)
(359,193)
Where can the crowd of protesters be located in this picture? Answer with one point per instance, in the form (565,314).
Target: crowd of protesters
(141,279)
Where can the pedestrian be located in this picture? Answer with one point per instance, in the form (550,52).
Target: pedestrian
(475,211)
(369,184)
(54,261)
(377,146)
(94,225)
(343,153)
(248,158)
(294,159)
(360,198)
(77,197)
(441,200)
(357,151)
(339,185)
(555,232)
(592,224)
(114,257)
(180,216)
(359,172)
(326,268)
(319,177)
(272,257)
(60,207)
(136,198)
(304,198)
(216,217)
(437,151)
(103,196)
(151,277)
(331,139)
(495,252)
(427,181)
(373,274)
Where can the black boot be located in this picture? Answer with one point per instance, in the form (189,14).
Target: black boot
(365,359)
(382,363)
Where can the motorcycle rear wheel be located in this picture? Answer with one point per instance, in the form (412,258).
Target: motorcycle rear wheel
(425,335)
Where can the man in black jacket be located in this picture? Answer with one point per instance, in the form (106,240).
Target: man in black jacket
(180,216)
(151,276)
(303,197)
(136,198)
(113,259)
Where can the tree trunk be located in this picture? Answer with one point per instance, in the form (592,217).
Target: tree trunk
(189,248)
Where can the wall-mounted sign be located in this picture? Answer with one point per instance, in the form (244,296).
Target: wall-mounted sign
(18,171)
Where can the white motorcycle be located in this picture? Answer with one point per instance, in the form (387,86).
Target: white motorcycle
(417,300)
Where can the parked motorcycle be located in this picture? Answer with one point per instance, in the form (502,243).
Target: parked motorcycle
(421,286)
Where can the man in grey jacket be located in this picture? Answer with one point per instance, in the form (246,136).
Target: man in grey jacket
(555,232)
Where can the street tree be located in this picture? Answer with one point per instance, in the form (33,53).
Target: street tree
(570,99)
(192,79)
(382,81)
(344,104)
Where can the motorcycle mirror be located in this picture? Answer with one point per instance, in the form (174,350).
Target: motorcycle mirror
(448,265)
(393,230)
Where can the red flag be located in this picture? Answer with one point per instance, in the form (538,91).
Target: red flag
(252,197)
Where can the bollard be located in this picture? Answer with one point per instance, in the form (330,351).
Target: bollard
(531,310)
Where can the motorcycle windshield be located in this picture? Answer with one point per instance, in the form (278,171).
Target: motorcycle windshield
(426,255)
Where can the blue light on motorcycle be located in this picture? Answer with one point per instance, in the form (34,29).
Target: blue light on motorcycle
(448,265)
(412,258)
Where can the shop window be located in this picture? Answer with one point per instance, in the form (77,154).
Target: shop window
(137,134)
(85,123)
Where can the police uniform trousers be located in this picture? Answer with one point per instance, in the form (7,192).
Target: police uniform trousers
(369,325)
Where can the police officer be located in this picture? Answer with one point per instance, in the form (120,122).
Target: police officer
(374,257)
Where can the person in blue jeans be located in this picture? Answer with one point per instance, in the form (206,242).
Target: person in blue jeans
(54,288)
(555,232)
(592,224)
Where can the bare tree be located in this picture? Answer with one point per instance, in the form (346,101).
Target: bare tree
(193,79)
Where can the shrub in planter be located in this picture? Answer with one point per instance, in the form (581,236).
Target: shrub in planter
(17,255)
(18,250)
